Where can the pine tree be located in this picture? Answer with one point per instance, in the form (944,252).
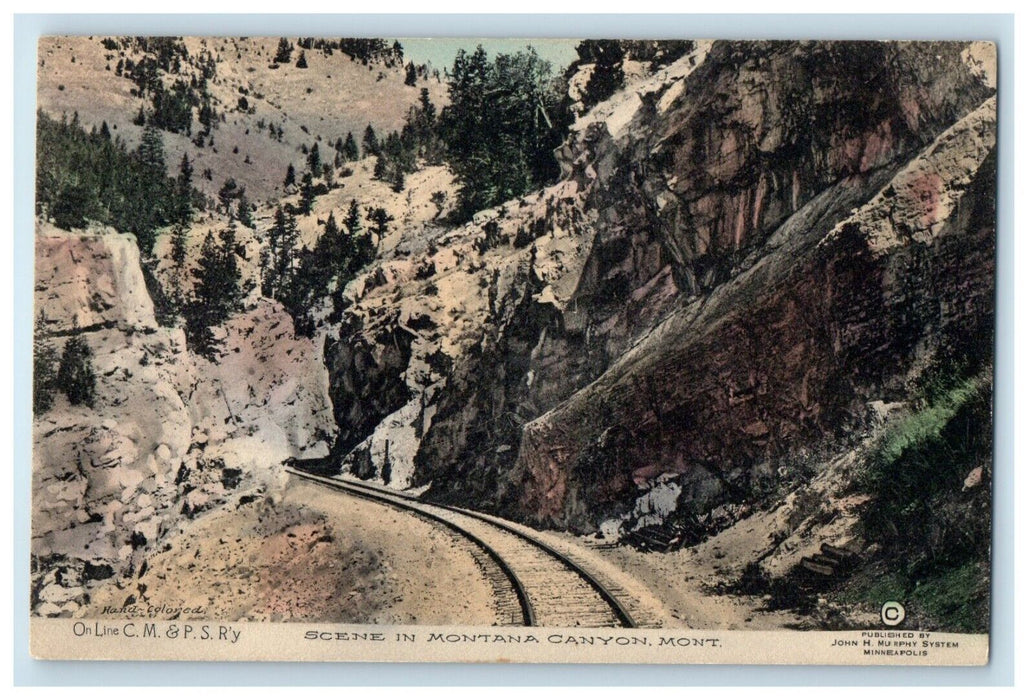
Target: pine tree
(381,167)
(70,206)
(370,145)
(350,150)
(353,224)
(228,193)
(411,75)
(283,51)
(289,179)
(184,190)
(332,233)
(44,365)
(438,198)
(607,75)
(314,159)
(301,62)
(217,290)
(152,151)
(282,238)
(152,194)
(380,218)
(399,181)
(75,376)
(360,247)
(500,127)
(179,245)
(307,194)
(244,211)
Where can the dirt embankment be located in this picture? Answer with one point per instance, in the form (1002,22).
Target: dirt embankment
(309,555)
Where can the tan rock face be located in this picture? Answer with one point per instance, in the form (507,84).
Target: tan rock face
(169,434)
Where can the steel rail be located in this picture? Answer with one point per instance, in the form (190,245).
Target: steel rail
(527,611)
(619,611)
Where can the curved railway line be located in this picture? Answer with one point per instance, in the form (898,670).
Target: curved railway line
(534,583)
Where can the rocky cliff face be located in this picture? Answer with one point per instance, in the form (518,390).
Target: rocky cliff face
(747,246)
(170,435)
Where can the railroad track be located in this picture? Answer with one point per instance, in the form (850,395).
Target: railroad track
(534,583)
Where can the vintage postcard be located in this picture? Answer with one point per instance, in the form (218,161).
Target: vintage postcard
(525,350)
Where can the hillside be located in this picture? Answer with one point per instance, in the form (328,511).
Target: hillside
(335,95)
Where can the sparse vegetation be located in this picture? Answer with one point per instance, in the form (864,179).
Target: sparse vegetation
(606,55)
(75,375)
(44,369)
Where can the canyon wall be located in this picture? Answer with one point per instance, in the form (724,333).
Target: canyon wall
(746,247)
(169,435)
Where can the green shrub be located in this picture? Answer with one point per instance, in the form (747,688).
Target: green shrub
(934,533)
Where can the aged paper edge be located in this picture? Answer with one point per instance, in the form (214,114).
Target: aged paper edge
(145,639)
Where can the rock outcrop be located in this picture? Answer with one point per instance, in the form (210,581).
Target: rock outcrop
(169,434)
(747,246)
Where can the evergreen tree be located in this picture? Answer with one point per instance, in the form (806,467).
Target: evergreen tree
(501,126)
(607,75)
(301,62)
(184,191)
(44,366)
(152,189)
(333,234)
(282,238)
(314,159)
(179,245)
(398,182)
(350,150)
(307,194)
(360,247)
(71,206)
(228,193)
(152,151)
(244,210)
(217,290)
(82,176)
(380,218)
(283,51)
(289,179)
(381,167)
(75,376)
(438,198)
(411,75)
(352,221)
(370,145)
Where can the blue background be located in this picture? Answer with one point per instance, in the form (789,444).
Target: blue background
(27,29)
